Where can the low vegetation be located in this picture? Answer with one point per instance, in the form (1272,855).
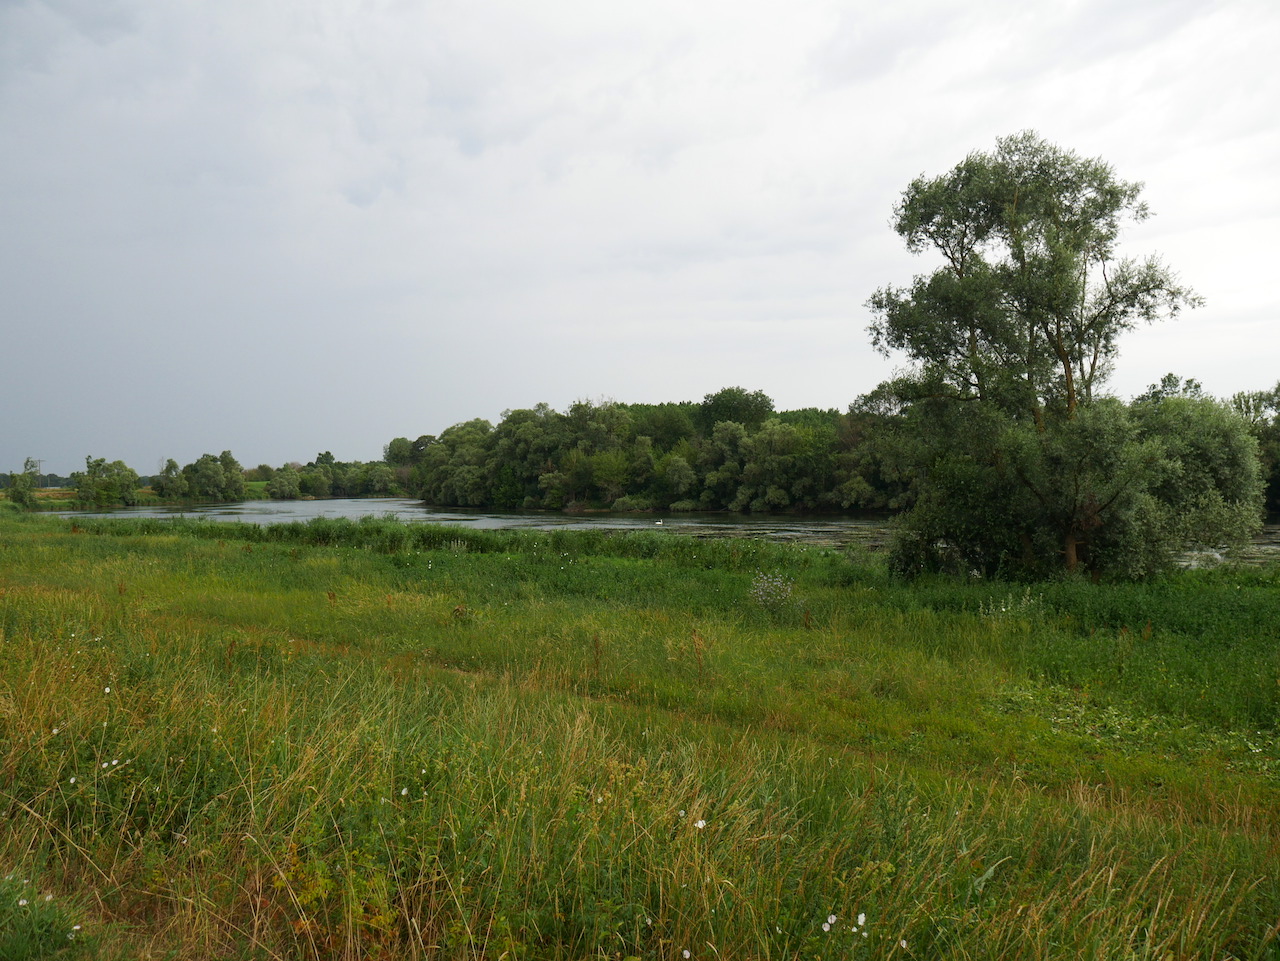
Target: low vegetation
(371,740)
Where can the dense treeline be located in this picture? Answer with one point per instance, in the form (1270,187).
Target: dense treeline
(730,452)
(328,477)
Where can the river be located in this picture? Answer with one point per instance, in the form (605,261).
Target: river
(826,530)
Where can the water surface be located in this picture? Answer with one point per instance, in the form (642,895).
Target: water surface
(826,530)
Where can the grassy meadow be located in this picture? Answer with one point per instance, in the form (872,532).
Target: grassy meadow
(370,740)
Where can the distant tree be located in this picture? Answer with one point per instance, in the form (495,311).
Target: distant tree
(453,469)
(285,484)
(609,473)
(22,487)
(750,409)
(1261,411)
(379,480)
(420,446)
(206,478)
(770,469)
(316,481)
(666,424)
(677,479)
(233,477)
(170,483)
(103,484)
(598,427)
(721,461)
(398,452)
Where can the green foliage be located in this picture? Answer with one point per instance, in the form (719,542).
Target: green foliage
(736,404)
(36,924)
(22,487)
(398,452)
(170,483)
(728,453)
(1017,464)
(285,484)
(1261,411)
(101,484)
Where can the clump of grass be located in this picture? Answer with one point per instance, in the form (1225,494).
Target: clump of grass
(36,924)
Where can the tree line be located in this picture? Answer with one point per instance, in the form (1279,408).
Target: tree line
(732,451)
(999,445)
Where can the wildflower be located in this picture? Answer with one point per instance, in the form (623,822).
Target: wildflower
(699,824)
(48,897)
(55,730)
(826,927)
(902,943)
(73,780)
(404,792)
(862,919)
(831,919)
(106,690)
(22,903)
(685,953)
(682,814)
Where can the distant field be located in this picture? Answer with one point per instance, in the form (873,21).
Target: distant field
(371,740)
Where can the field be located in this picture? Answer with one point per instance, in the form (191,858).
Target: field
(368,740)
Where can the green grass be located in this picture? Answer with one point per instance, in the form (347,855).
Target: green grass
(371,740)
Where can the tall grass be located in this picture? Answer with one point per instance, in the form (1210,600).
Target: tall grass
(343,741)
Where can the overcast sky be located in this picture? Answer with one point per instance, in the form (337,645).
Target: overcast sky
(286,226)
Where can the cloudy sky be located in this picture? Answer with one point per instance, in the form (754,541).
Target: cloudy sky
(286,226)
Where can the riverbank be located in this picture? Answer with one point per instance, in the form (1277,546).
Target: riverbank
(462,743)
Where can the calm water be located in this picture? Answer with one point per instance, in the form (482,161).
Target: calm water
(870,530)
(810,530)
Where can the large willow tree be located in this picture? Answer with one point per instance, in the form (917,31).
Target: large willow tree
(1021,463)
